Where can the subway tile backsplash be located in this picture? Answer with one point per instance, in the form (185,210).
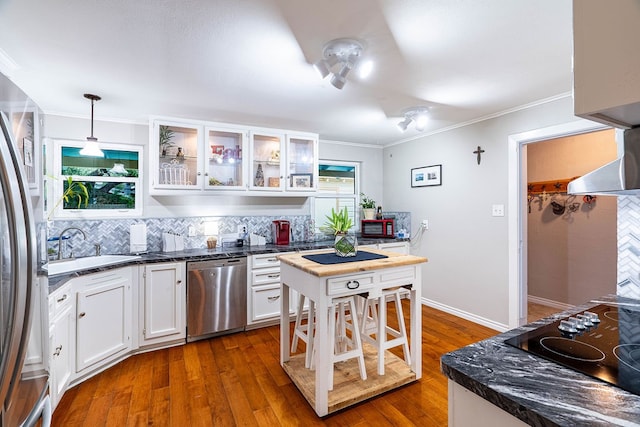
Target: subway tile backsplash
(628,247)
(113,234)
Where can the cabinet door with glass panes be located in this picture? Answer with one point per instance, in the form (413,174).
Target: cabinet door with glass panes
(176,150)
(266,172)
(224,166)
(302,162)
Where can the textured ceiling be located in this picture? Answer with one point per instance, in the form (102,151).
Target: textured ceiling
(249,61)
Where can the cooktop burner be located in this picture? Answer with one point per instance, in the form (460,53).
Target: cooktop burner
(603,342)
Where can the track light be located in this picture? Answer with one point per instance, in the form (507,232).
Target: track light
(343,52)
(418,115)
(91,146)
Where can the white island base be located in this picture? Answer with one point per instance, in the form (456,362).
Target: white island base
(349,388)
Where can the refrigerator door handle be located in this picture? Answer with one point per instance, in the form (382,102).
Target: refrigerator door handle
(42,411)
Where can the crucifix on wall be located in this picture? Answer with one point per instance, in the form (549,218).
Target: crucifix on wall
(479,152)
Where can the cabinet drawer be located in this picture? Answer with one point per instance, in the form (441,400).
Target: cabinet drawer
(59,301)
(346,284)
(266,276)
(266,260)
(266,302)
(398,276)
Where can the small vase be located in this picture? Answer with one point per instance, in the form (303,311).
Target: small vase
(346,245)
(368,213)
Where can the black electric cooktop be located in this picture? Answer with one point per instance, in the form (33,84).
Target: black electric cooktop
(603,342)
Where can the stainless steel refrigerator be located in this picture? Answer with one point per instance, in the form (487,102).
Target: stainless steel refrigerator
(23,387)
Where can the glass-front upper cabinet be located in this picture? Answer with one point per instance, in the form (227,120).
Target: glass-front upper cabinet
(175,154)
(224,163)
(266,168)
(302,162)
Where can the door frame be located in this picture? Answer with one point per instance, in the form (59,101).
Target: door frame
(517,208)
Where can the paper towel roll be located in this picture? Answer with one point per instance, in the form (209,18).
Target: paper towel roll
(138,238)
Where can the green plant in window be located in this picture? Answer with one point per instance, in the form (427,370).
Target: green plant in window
(74,191)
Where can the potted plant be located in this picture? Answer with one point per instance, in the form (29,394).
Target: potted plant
(165,138)
(338,224)
(75,191)
(368,206)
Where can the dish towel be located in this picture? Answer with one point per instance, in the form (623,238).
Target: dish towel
(138,238)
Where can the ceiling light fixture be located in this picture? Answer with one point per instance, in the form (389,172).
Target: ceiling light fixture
(91,147)
(343,52)
(418,115)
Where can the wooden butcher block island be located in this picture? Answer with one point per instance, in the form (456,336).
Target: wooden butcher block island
(322,283)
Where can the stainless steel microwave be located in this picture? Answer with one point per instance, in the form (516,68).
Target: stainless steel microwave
(377,228)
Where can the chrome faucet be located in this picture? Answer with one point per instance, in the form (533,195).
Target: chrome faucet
(60,239)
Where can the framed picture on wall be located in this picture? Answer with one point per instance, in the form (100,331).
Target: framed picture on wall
(426,176)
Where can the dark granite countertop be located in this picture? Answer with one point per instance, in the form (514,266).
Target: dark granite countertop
(58,280)
(537,391)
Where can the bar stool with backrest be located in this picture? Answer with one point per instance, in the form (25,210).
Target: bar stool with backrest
(374,322)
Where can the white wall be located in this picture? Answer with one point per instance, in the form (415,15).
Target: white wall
(60,127)
(467,248)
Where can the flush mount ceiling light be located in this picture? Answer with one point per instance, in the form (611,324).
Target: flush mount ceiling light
(418,115)
(344,54)
(91,147)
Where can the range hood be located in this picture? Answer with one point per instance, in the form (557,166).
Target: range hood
(620,177)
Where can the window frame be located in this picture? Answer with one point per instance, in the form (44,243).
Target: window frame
(59,180)
(320,194)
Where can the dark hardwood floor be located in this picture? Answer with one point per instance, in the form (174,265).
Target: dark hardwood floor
(237,380)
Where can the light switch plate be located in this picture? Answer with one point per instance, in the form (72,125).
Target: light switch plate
(497,210)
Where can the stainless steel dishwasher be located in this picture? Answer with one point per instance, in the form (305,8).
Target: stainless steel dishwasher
(216,297)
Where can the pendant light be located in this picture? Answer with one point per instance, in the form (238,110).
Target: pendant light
(91,147)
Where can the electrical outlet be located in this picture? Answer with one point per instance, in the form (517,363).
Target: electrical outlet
(497,210)
(243,229)
(192,231)
(425,224)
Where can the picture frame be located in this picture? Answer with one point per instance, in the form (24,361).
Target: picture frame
(27,148)
(426,176)
(301,180)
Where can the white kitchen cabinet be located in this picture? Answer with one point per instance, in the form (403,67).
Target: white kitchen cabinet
(176,152)
(283,162)
(162,303)
(61,341)
(263,290)
(224,167)
(103,316)
(34,360)
(606,73)
(400,247)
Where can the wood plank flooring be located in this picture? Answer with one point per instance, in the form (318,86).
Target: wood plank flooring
(237,380)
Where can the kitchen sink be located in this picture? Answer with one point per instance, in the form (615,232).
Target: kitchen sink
(75,264)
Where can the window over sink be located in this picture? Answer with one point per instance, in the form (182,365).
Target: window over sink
(338,185)
(113,182)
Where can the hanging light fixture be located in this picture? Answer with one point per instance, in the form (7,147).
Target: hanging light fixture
(418,115)
(346,53)
(91,146)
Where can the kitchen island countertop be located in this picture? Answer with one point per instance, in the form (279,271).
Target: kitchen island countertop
(535,390)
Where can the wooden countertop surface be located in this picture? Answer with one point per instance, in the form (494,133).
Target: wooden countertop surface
(322,270)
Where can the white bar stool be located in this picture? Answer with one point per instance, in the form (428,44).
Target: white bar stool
(304,331)
(344,346)
(374,321)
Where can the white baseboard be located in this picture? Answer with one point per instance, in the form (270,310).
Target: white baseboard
(500,327)
(549,303)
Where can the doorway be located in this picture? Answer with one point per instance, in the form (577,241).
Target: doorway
(517,206)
